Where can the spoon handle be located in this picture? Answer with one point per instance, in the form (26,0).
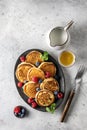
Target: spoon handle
(68,25)
(67,105)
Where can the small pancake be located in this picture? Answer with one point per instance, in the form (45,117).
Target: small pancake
(50,84)
(30,89)
(24,63)
(35,72)
(44,97)
(21,71)
(48,67)
(33,57)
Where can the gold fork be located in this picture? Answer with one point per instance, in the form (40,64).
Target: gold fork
(78,79)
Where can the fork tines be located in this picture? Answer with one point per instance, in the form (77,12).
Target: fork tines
(80,72)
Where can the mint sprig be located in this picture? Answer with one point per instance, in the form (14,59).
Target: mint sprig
(44,56)
(51,108)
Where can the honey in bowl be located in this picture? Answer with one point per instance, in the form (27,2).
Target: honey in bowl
(66,58)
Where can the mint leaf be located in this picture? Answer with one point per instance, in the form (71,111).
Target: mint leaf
(44,56)
(45,53)
(53,105)
(47,109)
(52,111)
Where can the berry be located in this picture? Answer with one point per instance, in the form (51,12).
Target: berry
(22,115)
(37,63)
(22,58)
(20,84)
(37,89)
(34,104)
(55,92)
(47,74)
(56,77)
(30,100)
(17,110)
(35,79)
(23,111)
(15,114)
(60,95)
(19,114)
(40,81)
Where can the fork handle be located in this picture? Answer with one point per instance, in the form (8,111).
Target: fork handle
(66,108)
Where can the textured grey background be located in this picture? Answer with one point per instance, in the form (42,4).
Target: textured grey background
(24,24)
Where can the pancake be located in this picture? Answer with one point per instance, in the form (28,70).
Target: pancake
(44,97)
(48,67)
(33,57)
(50,84)
(21,71)
(30,89)
(35,72)
(25,63)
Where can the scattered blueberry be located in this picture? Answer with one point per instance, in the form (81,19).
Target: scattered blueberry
(56,77)
(40,80)
(19,114)
(56,98)
(37,63)
(22,115)
(55,92)
(37,89)
(19,111)
(23,110)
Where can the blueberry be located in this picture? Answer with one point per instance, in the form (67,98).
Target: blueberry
(22,115)
(56,77)
(23,111)
(56,97)
(55,92)
(37,89)
(40,80)
(19,114)
(37,63)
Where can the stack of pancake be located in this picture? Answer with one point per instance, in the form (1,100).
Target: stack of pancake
(27,70)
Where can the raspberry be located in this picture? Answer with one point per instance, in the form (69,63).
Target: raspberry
(60,95)
(17,109)
(34,104)
(47,74)
(22,58)
(20,84)
(35,79)
(30,100)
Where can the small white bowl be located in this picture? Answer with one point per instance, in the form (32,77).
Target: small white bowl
(72,61)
